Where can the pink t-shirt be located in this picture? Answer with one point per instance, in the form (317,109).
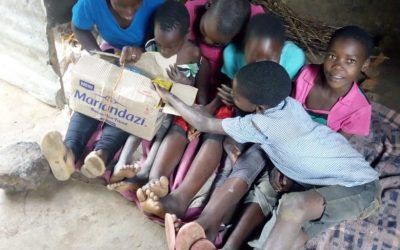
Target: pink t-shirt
(213,54)
(351,113)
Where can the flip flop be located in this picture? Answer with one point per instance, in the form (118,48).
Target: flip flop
(93,166)
(54,151)
(203,244)
(188,234)
(170,231)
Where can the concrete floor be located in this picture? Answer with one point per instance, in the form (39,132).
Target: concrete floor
(63,215)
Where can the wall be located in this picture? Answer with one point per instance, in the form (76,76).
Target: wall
(27,50)
(379,17)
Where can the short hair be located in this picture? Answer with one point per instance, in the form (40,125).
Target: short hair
(173,15)
(266,25)
(263,83)
(232,15)
(356,33)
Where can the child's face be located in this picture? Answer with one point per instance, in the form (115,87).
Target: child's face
(168,42)
(209,31)
(262,49)
(240,101)
(345,59)
(125,8)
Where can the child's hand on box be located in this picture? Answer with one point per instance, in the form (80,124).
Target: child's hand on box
(177,76)
(130,54)
(163,93)
(279,182)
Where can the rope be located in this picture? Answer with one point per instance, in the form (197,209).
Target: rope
(111,98)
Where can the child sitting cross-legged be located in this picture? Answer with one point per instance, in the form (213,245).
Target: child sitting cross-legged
(171,31)
(333,181)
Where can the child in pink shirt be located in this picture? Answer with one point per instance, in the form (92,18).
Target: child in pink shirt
(212,39)
(329,92)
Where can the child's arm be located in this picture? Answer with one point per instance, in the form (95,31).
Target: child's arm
(198,118)
(86,38)
(203,82)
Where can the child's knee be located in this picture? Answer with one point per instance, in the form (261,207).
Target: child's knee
(292,207)
(301,207)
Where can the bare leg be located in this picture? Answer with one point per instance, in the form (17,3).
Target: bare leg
(169,154)
(252,218)
(148,163)
(207,159)
(301,240)
(203,166)
(138,174)
(224,199)
(295,209)
(123,169)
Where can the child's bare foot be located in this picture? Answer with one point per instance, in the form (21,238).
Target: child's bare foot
(159,187)
(93,166)
(150,203)
(60,158)
(123,186)
(126,171)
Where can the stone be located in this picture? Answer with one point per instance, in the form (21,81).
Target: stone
(23,167)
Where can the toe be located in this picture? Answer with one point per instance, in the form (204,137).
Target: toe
(141,195)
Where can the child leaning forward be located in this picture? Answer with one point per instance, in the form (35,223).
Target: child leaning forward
(338,184)
(119,23)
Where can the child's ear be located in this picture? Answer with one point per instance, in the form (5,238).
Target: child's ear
(366,64)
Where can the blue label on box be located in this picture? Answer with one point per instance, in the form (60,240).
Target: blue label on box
(86,85)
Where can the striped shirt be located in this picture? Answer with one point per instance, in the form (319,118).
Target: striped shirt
(300,148)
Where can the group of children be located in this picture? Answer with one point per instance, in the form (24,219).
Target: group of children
(272,130)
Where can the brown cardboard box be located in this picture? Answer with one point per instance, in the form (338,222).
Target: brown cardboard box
(133,102)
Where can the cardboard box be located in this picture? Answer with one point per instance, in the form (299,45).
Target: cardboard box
(131,97)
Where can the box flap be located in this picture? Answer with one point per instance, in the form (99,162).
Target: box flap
(155,64)
(184,92)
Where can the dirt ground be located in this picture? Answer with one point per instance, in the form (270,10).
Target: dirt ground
(63,215)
